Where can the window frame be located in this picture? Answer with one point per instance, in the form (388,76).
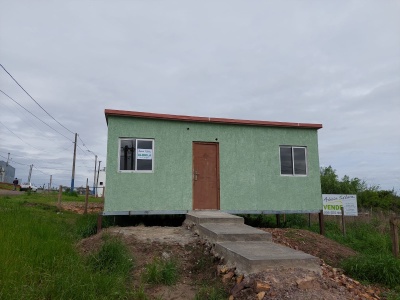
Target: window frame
(136,143)
(293,161)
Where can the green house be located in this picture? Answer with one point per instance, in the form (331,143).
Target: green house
(170,164)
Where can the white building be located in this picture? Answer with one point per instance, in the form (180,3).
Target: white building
(101,183)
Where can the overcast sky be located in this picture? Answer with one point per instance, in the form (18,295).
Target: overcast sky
(330,62)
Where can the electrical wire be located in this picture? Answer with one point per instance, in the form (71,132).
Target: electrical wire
(36,116)
(35,100)
(19,137)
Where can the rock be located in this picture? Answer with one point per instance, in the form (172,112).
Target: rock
(222,269)
(261,286)
(247,293)
(306,283)
(237,288)
(239,279)
(228,276)
(231,297)
(260,295)
(248,282)
(165,256)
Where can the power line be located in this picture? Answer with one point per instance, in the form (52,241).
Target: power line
(35,116)
(19,137)
(35,100)
(25,118)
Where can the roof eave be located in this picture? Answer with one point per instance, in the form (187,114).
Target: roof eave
(146,115)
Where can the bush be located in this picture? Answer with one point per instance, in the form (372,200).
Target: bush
(160,271)
(374,268)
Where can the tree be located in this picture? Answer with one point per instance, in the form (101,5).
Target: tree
(366,196)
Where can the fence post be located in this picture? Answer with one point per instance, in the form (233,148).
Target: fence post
(321,223)
(86,199)
(59,197)
(278,220)
(99,222)
(343,222)
(394,234)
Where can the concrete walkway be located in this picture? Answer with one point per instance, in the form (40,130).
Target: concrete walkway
(249,249)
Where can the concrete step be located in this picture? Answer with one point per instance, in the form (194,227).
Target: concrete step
(212,216)
(218,232)
(258,256)
(249,249)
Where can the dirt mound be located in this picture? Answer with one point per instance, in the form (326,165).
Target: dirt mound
(197,266)
(312,243)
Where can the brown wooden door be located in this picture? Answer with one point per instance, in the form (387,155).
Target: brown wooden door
(205,175)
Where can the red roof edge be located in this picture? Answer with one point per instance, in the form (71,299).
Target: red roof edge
(146,115)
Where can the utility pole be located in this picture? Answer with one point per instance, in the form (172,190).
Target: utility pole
(94,179)
(30,174)
(97,182)
(73,166)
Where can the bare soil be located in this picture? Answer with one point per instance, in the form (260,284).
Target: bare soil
(198,267)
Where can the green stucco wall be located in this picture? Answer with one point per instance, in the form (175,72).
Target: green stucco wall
(250,177)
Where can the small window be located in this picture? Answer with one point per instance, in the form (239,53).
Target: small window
(136,154)
(293,160)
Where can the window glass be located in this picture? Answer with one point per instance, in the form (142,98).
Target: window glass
(299,158)
(136,154)
(293,160)
(286,160)
(127,154)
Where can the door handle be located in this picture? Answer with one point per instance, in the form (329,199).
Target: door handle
(195,174)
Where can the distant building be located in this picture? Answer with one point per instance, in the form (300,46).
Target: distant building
(7,172)
(101,182)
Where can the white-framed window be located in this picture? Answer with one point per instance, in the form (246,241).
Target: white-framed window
(293,160)
(136,155)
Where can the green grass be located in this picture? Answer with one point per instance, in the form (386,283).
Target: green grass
(113,257)
(376,268)
(210,292)
(39,261)
(161,271)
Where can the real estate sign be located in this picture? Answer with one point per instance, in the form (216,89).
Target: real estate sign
(332,204)
(144,153)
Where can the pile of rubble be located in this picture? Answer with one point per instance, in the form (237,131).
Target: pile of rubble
(299,284)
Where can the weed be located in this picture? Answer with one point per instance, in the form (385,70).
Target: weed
(210,293)
(138,294)
(161,271)
(113,257)
(376,268)
(203,263)
(86,225)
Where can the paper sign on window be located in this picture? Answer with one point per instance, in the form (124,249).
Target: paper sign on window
(144,154)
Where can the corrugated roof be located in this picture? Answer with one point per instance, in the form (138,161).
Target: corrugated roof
(147,115)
